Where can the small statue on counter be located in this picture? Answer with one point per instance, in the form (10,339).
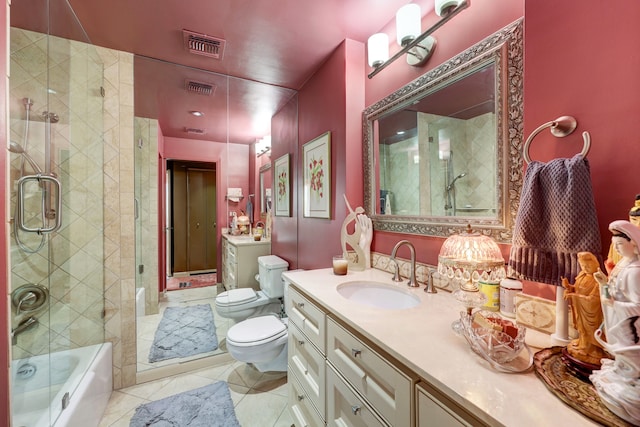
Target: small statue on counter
(359,240)
(634,218)
(584,297)
(618,381)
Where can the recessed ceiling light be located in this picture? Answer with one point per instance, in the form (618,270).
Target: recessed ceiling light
(196,113)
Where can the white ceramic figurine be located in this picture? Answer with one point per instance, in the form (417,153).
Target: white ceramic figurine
(618,381)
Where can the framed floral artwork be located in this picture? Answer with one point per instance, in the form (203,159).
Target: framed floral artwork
(283,186)
(316,194)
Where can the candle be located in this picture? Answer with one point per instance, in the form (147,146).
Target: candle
(340,265)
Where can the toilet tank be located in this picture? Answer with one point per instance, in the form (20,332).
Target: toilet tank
(270,269)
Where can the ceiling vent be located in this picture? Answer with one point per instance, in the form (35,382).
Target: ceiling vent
(194,131)
(199,87)
(202,44)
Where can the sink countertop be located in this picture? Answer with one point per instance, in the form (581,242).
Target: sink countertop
(422,339)
(245,239)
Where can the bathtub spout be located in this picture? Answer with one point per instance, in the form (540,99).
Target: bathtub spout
(26,324)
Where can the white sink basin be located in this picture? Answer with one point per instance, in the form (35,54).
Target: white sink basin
(378,295)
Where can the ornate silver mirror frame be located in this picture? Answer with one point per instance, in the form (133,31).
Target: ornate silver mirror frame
(505,50)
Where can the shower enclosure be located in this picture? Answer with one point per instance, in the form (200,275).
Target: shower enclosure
(56,183)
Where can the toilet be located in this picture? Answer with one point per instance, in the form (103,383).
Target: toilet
(262,340)
(242,303)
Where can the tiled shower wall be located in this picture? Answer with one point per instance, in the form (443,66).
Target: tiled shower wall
(62,78)
(92,256)
(119,240)
(417,178)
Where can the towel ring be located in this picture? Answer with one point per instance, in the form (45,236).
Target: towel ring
(560,127)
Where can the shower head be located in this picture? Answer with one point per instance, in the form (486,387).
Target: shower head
(16,148)
(450,186)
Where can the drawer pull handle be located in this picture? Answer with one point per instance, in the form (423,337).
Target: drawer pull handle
(355,409)
(355,353)
(301,342)
(300,397)
(300,304)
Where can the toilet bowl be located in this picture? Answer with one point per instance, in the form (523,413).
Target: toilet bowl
(262,340)
(242,303)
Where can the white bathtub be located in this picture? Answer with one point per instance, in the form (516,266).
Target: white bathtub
(85,373)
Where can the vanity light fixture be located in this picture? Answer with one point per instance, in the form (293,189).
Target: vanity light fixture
(196,113)
(418,46)
(263,145)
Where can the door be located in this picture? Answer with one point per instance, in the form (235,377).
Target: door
(201,190)
(194,225)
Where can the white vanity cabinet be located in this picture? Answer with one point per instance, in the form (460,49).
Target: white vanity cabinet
(379,386)
(306,361)
(240,261)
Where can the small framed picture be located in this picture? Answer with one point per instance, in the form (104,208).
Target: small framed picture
(317,177)
(283,186)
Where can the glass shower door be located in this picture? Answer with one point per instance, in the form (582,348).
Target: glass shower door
(57,255)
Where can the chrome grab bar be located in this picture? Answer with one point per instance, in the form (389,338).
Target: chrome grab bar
(20,217)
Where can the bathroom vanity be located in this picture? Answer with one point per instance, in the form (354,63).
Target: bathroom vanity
(240,260)
(356,364)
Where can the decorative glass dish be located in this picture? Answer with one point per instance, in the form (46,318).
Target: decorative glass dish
(500,342)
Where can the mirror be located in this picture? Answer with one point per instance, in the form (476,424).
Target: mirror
(444,151)
(229,125)
(265,188)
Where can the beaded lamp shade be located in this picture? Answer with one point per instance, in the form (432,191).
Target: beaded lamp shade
(469,257)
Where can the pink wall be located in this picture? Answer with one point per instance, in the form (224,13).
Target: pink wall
(4,233)
(572,69)
(284,140)
(322,110)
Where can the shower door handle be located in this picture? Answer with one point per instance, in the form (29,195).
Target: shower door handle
(39,178)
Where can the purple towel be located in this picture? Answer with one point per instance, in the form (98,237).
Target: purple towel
(556,219)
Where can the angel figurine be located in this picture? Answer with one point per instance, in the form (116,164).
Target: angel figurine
(359,240)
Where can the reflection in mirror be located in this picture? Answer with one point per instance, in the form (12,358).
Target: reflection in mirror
(444,151)
(265,188)
(435,152)
(235,112)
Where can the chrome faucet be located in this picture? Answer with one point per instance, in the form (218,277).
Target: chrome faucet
(396,275)
(430,289)
(22,326)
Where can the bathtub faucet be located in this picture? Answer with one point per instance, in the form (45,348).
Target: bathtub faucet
(22,326)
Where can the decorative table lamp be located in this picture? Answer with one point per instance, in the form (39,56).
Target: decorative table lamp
(467,258)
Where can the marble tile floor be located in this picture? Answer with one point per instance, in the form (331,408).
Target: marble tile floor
(260,399)
(147,325)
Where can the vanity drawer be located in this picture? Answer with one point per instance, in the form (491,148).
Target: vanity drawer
(308,318)
(308,365)
(434,411)
(386,388)
(345,408)
(301,408)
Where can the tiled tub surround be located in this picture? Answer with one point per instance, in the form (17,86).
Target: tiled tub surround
(421,340)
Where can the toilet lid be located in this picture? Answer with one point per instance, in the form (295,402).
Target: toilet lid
(256,330)
(236,296)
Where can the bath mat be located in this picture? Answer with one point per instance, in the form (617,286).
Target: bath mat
(208,406)
(184,331)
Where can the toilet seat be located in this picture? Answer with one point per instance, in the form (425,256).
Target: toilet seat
(236,297)
(256,331)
